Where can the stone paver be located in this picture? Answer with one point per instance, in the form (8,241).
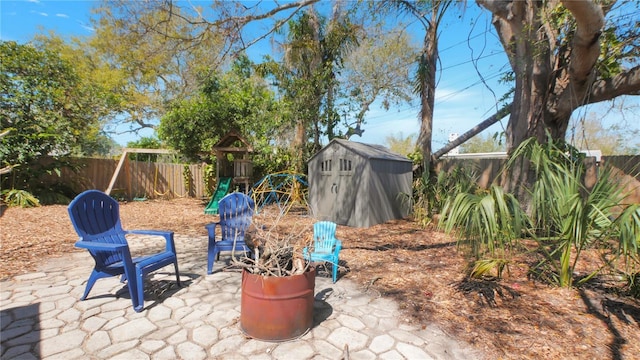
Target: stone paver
(41,317)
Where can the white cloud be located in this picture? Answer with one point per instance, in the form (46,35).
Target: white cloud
(87,27)
(40,13)
(34,1)
(63,16)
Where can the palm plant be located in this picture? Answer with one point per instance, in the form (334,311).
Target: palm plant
(628,225)
(19,198)
(313,56)
(566,216)
(489,222)
(430,191)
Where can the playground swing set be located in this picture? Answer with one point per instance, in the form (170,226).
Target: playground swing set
(234,169)
(138,186)
(284,189)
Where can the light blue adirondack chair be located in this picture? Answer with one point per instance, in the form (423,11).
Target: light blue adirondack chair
(326,248)
(96,219)
(236,213)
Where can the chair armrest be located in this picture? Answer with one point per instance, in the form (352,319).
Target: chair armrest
(338,246)
(168,236)
(211,229)
(98,246)
(149,232)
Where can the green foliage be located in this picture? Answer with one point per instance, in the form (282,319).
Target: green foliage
(591,133)
(19,198)
(225,102)
(484,144)
(42,179)
(308,78)
(187,177)
(269,162)
(633,283)
(97,144)
(628,225)
(430,192)
(567,217)
(209,179)
(95,94)
(146,49)
(49,112)
(488,223)
(615,43)
(378,70)
(37,104)
(400,144)
(491,268)
(145,142)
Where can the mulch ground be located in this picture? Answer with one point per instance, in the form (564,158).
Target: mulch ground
(422,269)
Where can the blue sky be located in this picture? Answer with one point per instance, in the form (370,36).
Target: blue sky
(463,98)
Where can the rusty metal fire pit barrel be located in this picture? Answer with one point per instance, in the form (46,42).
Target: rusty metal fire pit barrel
(277,308)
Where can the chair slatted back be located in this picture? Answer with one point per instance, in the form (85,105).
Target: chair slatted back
(96,217)
(324,237)
(236,212)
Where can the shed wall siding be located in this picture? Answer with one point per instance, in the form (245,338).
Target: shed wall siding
(391,180)
(361,189)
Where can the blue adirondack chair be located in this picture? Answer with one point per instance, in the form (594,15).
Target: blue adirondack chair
(326,248)
(96,219)
(236,212)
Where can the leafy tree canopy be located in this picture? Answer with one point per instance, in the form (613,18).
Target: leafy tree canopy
(591,133)
(46,110)
(484,144)
(144,46)
(400,144)
(236,100)
(44,104)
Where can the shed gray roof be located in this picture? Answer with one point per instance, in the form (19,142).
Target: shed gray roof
(368,151)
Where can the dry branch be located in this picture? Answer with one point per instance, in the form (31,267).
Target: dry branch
(278,251)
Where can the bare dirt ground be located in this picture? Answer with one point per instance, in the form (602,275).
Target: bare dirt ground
(514,318)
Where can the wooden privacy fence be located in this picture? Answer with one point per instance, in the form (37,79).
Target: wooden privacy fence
(488,167)
(146,179)
(137,179)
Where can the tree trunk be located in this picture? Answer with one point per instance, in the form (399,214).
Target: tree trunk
(299,146)
(555,70)
(426,76)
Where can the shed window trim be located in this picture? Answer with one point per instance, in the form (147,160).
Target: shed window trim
(345,165)
(325,167)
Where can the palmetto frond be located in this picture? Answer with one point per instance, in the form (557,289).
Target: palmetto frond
(488,222)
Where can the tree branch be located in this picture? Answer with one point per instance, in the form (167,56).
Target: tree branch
(298,5)
(504,111)
(500,8)
(586,42)
(502,16)
(6,169)
(627,83)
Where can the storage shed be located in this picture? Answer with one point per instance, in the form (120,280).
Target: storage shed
(359,185)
